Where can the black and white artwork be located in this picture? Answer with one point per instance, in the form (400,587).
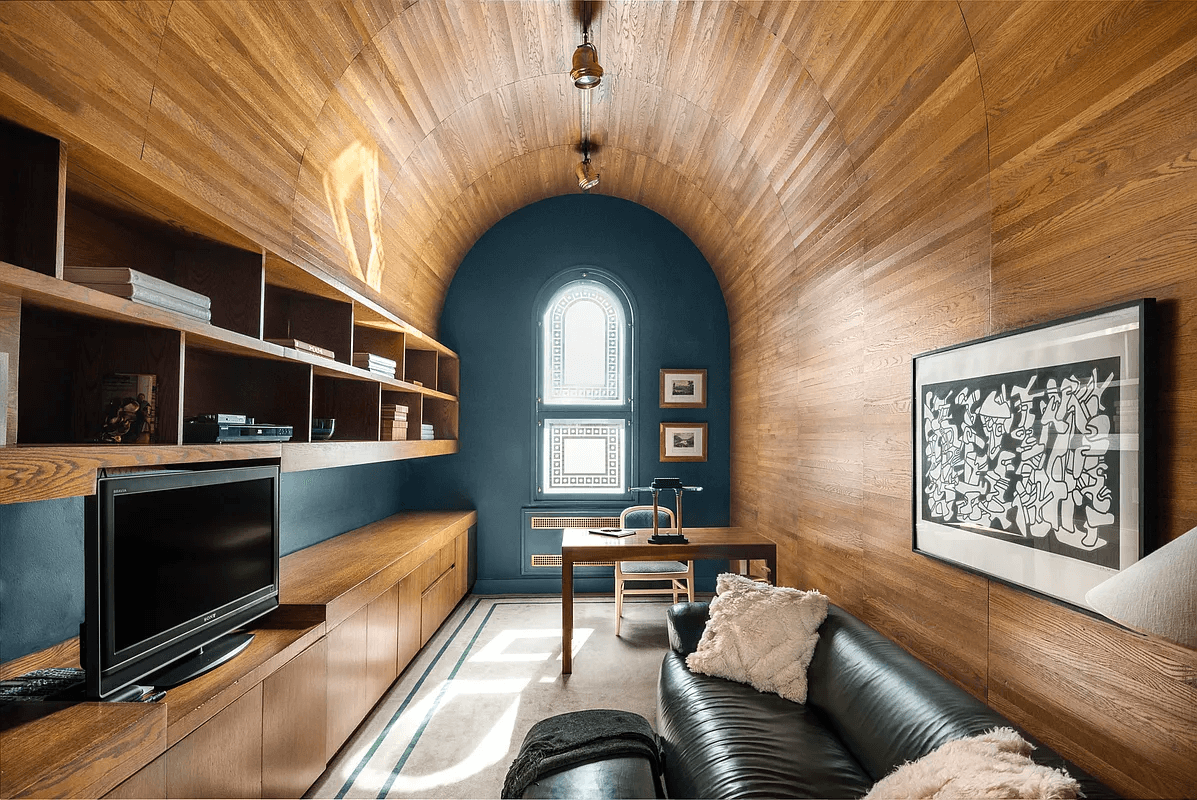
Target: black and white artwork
(1027,453)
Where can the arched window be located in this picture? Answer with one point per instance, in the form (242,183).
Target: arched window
(584,404)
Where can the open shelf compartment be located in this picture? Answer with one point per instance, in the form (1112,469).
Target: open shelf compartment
(65,359)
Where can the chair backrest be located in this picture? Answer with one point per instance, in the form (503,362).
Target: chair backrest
(642,517)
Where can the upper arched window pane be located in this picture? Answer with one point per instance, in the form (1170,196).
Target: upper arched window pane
(585,346)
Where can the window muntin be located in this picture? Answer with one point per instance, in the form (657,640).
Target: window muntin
(584,456)
(584,347)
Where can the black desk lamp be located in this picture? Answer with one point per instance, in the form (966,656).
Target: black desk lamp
(655,487)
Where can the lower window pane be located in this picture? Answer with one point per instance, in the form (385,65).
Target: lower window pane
(584,456)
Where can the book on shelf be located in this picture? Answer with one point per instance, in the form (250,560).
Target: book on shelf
(427,433)
(371,359)
(395,407)
(396,434)
(151,297)
(130,408)
(307,347)
(98,277)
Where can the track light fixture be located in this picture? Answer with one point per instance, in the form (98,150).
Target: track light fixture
(587,178)
(587,72)
(586,75)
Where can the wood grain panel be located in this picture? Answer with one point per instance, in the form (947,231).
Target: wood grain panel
(1096,693)
(410,640)
(76,750)
(223,757)
(149,781)
(347,662)
(382,643)
(294,708)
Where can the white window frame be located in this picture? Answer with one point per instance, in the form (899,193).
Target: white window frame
(579,409)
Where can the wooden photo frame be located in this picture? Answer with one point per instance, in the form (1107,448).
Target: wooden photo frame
(683,441)
(1028,466)
(683,388)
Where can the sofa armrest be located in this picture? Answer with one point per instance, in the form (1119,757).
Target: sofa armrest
(686,624)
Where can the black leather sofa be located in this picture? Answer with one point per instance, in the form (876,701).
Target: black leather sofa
(871,707)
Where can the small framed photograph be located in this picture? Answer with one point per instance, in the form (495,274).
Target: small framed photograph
(683,441)
(683,388)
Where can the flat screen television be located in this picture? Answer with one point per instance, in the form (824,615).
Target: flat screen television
(176,563)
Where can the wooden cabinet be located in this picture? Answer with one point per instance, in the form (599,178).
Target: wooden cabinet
(382,643)
(347,657)
(223,757)
(59,339)
(410,640)
(266,722)
(294,713)
(443,590)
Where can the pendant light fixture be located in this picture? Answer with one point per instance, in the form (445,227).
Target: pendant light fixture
(587,72)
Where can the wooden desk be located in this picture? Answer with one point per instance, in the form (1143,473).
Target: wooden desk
(577,544)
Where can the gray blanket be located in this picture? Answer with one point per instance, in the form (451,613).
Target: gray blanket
(580,737)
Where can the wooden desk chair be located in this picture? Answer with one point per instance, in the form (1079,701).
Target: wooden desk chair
(679,575)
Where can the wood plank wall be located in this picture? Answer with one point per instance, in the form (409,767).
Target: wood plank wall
(868,181)
(1033,161)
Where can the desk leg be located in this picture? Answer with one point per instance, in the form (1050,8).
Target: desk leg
(771,565)
(567,615)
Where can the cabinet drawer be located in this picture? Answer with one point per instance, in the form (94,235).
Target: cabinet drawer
(436,603)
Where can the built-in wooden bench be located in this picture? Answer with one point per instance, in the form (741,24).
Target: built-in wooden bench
(354,611)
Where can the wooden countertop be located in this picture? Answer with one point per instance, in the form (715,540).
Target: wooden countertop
(340,575)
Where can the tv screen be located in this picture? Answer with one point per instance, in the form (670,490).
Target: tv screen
(176,561)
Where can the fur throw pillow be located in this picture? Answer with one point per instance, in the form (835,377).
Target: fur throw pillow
(761,635)
(995,764)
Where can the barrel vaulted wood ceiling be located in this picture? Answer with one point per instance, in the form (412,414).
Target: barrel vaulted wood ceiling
(383,138)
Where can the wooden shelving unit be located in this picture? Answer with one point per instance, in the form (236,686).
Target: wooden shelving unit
(60,339)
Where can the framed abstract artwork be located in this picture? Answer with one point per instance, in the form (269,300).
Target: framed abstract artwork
(1028,465)
(683,388)
(683,441)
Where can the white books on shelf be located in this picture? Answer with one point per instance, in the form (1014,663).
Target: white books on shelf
(97,277)
(377,364)
(149,297)
(371,358)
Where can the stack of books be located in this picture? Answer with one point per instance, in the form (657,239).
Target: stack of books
(307,347)
(394,422)
(142,288)
(375,363)
(426,432)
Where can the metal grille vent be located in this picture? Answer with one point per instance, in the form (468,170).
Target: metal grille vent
(574,522)
(545,560)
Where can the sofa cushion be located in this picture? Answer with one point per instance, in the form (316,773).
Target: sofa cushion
(761,635)
(995,764)
(725,739)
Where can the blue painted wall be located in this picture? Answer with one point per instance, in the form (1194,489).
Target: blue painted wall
(41,545)
(489,319)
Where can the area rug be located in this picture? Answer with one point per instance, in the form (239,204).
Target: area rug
(452,723)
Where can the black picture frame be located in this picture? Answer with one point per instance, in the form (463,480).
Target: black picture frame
(1028,463)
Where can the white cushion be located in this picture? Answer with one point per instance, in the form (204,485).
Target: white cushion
(995,764)
(760,635)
